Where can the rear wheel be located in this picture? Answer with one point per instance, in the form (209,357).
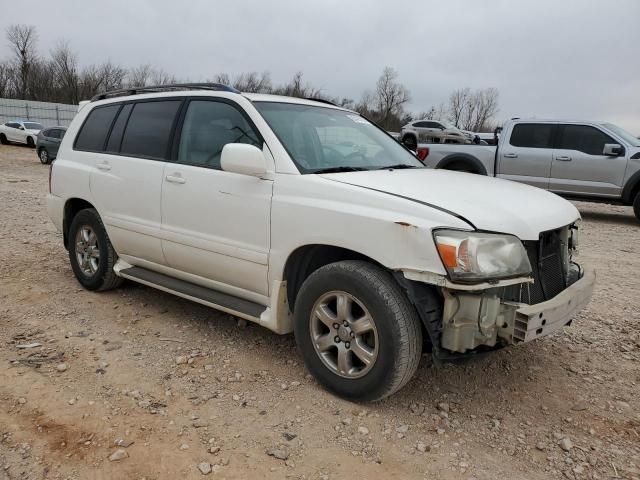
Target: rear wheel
(636,205)
(30,142)
(91,254)
(359,335)
(44,156)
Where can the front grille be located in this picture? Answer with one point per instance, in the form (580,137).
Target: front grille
(547,263)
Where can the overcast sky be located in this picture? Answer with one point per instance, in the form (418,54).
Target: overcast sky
(559,58)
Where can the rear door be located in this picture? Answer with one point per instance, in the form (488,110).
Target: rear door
(126,177)
(53,137)
(579,167)
(526,155)
(216,224)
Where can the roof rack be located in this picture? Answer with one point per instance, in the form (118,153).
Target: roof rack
(321,100)
(162,88)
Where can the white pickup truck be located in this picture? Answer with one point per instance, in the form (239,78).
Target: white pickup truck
(584,160)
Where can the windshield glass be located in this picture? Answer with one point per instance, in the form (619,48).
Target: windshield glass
(320,138)
(32,126)
(621,132)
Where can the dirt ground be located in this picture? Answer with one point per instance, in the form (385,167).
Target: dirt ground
(189,385)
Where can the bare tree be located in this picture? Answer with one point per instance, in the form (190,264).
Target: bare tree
(139,76)
(64,69)
(297,87)
(6,75)
(23,40)
(390,97)
(457,103)
(473,110)
(486,108)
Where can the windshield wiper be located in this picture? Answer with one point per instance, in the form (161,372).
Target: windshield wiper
(399,166)
(339,169)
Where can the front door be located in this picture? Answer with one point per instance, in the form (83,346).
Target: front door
(526,155)
(579,167)
(216,224)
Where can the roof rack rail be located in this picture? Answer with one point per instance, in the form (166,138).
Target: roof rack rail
(161,88)
(321,100)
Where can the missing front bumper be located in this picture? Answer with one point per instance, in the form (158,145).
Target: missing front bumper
(474,319)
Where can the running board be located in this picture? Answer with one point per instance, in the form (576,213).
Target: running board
(212,298)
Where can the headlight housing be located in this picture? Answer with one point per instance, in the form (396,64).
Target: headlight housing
(472,257)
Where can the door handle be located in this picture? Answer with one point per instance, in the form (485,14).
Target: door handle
(103,166)
(175,179)
(563,158)
(510,155)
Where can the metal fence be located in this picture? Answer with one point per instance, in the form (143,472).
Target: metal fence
(48,114)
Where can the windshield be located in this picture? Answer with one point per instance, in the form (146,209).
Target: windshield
(320,138)
(621,132)
(32,126)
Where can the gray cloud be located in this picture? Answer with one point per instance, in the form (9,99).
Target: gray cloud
(568,58)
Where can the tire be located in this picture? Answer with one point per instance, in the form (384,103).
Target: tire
(45,159)
(3,139)
(96,273)
(394,344)
(636,205)
(31,143)
(410,142)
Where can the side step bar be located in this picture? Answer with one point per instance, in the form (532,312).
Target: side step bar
(212,298)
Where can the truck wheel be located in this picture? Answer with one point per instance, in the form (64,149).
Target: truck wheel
(636,205)
(410,142)
(359,335)
(91,254)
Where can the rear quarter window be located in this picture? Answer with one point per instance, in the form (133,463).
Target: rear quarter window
(95,129)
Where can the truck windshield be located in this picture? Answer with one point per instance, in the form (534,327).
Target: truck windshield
(322,139)
(621,132)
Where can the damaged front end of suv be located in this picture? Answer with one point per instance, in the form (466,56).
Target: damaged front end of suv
(500,290)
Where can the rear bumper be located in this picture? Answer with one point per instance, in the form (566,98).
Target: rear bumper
(55,210)
(535,321)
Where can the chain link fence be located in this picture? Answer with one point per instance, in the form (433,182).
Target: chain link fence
(48,114)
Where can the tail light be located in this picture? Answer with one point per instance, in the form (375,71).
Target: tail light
(422,153)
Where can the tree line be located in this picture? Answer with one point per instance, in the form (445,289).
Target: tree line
(59,77)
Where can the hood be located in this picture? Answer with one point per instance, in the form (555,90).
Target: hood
(486,203)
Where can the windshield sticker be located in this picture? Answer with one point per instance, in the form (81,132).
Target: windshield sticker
(358,119)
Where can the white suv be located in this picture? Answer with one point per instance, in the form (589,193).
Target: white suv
(302,216)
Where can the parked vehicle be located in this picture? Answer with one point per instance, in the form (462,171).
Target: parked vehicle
(20,132)
(48,142)
(433,131)
(303,216)
(584,160)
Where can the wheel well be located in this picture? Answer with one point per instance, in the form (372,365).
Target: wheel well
(71,208)
(462,163)
(309,258)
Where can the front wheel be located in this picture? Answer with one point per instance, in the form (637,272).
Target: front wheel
(30,142)
(359,335)
(636,205)
(91,254)
(3,139)
(44,156)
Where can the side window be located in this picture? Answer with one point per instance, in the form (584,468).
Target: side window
(13,125)
(421,124)
(53,133)
(208,126)
(94,131)
(532,135)
(115,139)
(149,128)
(584,139)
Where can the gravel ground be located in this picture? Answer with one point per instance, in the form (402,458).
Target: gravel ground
(135,383)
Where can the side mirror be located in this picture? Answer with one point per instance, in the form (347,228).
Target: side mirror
(21,127)
(243,159)
(613,150)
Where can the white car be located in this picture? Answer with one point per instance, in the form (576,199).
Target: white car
(433,131)
(20,132)
(302,216)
